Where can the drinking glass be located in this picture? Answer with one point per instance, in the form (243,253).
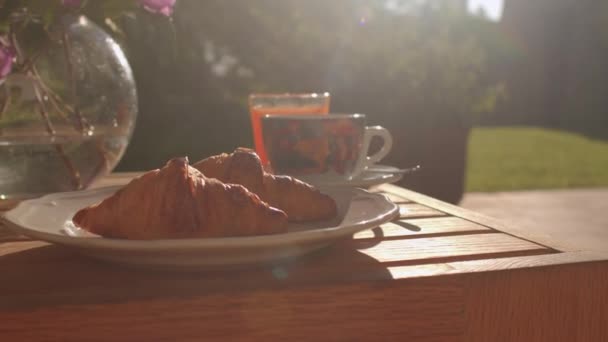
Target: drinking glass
(284,104)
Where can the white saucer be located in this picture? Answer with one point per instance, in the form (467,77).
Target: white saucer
(49,218)
(375,175)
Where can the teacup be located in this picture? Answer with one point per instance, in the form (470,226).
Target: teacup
(333,146)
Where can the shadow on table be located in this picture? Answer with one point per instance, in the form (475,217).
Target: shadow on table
(55,275)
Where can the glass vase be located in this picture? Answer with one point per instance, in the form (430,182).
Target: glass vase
(67,111)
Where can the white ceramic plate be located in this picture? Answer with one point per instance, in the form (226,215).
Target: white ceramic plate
(49,218)
(374,175)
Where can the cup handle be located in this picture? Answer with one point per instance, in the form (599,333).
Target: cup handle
(366,161)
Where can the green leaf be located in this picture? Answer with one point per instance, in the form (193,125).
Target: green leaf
(4,26)
(47,10)
(9,6)
(114,28)
(33,37)
(40,7)
(115,8)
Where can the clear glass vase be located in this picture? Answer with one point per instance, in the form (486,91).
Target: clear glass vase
(67,111)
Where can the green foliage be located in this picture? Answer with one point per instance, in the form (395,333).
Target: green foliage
(558,77)
(429,53)
(32,26)
(45,12)
(423,63)
(517,158)
(108,13)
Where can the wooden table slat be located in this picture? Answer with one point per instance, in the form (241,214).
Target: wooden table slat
(453,210)
(423,227)
(415,210)
(451,248)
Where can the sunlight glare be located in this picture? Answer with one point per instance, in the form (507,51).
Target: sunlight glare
(491,8)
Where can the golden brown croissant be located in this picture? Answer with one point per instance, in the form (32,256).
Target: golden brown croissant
(299,200)
(177,201)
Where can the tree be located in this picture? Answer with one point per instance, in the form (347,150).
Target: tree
(560,77)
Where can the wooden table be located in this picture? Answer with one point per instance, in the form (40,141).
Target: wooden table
(439,273)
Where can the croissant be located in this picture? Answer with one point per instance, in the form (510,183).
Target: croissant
(300,201)
(177,201)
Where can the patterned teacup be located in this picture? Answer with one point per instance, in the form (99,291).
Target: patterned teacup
(333,146)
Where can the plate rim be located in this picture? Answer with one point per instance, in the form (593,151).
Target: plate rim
(259,241)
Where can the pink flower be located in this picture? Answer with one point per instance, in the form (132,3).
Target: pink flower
(7,55)
(164,7)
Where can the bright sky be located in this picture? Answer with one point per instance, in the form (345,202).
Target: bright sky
(493,8)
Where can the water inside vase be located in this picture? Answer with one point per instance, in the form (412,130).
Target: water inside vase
(34,165)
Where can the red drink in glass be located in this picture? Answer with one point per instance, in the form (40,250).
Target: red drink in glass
(286,104)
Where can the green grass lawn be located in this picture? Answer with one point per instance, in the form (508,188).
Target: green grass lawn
(516,158)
